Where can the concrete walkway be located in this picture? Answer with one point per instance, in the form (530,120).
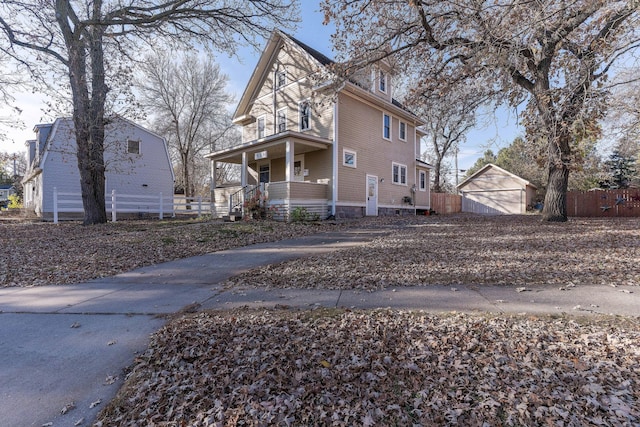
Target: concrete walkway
(63,349)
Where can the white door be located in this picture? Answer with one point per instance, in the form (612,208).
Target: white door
(372,195)
(298,167)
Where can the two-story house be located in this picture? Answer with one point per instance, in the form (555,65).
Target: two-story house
(349,151)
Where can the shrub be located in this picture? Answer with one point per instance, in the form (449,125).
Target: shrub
(14,201)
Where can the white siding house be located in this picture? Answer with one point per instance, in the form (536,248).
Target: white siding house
(136,161)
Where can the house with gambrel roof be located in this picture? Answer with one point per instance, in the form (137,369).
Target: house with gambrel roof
(345,152)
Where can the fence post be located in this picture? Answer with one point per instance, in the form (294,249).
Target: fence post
(199,206)
(55,205)
(161,208)
(113,206)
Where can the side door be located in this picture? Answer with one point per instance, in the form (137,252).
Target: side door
(372,195)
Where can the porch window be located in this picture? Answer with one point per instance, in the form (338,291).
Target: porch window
(402,132)
(264,173)
(386,126)
(261,126)
(133,147)
(282,120)
(399,173)
(423,181)
(305,115)
(349,158)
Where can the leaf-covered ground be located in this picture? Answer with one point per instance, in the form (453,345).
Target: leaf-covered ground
(518,251)
(383,368)
(39,254)
(366,368)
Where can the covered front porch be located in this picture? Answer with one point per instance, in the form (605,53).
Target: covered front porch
(281,175)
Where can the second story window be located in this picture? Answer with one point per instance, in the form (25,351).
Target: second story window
(382,81)
(133,147)
(386,126)
(261,126)
(281,79)
(282,120)
(402,132)
(305,115)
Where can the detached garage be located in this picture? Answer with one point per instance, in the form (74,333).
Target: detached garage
(493,190)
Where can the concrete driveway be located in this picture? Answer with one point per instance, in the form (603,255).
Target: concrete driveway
(64,349)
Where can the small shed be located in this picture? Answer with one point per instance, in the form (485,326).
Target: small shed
(493,190)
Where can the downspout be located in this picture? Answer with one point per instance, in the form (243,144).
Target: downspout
(334,180)
(415,169)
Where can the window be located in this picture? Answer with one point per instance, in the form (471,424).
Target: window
(264,173)
(281,79)
(349,158)
(382,81)
(282,120)
(261,127)
(423,181)
(386,126)
(399,174)
(305,115)
(133,147)
(402,132)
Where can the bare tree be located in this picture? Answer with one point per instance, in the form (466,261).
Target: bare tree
(449,115)
(11,79)
(553,55)
(94,42)
(188,97)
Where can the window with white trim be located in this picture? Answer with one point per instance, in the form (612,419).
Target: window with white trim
(382,81)
(260,126)
(386,126)
(133,147)
(349,158)
(305,115)
(422,181)
(282,120)
(280,79)
(399,174)
(402,131)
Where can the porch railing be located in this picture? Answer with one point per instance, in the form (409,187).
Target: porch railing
(236,200)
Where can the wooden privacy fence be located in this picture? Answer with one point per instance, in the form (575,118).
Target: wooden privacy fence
(444,203)
(604,203)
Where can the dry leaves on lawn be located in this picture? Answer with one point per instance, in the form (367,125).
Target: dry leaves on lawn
(344,368)
(519,251)
(39,254)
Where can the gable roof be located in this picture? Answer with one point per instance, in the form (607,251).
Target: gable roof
(277,39)
(488,166)
(320,57)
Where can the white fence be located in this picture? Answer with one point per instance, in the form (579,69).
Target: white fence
(134,204)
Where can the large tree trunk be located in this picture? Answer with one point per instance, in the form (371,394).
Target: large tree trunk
(88,111)
(555,201)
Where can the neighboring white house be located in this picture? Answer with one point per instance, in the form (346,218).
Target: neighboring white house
(493,190)
(136,160)
(6,190)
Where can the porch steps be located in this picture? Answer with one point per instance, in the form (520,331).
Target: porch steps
(233,216)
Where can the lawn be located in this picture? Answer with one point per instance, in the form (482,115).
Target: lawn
(370,367)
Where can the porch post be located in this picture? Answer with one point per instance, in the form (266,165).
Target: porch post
(289,161)
(214,167)
(243,171)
